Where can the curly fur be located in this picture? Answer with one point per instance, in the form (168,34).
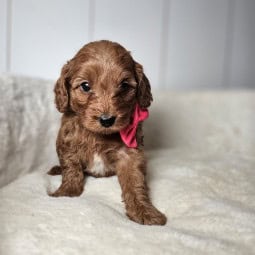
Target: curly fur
(84,146)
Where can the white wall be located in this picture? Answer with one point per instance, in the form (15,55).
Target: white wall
(196,38)
(181,43)
(3,36)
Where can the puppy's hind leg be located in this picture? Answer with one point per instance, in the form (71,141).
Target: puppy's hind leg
(55,170)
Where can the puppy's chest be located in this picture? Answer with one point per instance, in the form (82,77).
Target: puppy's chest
(97,166)
(99,156)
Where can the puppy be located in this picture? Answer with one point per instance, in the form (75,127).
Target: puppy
(104,95)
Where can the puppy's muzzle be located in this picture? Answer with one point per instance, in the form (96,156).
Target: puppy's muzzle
(106,120)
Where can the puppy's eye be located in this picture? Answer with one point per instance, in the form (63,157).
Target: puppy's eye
(124,85)
(85,86)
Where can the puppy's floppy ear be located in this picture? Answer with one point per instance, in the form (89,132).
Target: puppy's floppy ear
(144,95)
(61,89)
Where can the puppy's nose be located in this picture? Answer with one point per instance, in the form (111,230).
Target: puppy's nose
(106,120)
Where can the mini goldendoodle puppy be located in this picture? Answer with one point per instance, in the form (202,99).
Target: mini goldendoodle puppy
(104,95)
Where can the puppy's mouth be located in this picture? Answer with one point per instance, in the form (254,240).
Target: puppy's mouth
(107,124)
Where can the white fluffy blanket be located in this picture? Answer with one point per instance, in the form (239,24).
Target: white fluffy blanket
(201,174)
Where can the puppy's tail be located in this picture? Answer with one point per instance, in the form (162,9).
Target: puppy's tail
(55,170)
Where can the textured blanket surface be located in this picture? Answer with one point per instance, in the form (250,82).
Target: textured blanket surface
(201,174)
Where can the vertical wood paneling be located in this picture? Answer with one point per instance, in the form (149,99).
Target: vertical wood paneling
(164,46)
(45,34)
(242,66)
(91,19)
(181,44)
(3,25)
(196,43)
(228,50)
(136,25)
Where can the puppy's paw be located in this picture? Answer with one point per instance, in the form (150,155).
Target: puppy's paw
(148,215)
(67,191)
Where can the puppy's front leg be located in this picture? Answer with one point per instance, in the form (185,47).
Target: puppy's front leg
(131,175)
(72,180)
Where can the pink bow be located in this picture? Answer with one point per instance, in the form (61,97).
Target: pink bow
(128,134)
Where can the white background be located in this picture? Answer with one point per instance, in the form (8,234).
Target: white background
(182,44)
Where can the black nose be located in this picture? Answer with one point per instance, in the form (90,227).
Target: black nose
(106,120)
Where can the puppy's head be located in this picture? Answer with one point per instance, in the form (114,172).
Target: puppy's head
(101,85)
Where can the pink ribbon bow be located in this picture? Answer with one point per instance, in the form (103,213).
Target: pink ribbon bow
(128,134)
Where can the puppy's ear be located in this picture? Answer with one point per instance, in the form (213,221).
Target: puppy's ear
(144,95)
(61,90)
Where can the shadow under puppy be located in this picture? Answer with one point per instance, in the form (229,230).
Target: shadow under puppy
(103,95)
